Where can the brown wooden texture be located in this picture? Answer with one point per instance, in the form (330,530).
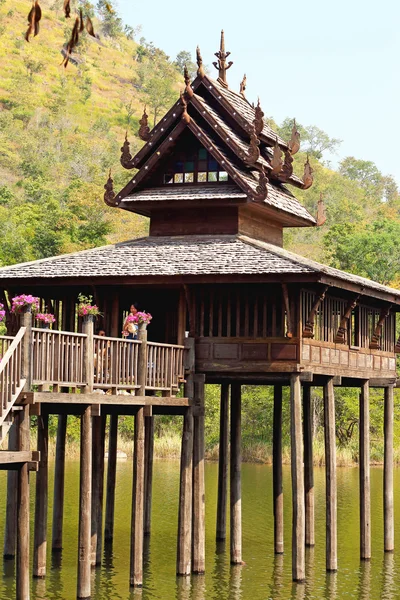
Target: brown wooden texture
(236,475)
(59,478)
(85,500)
(365,484)
(10,527)
(255,224)
(22,566)
(111,478)
(99,547)
(195,221)
(298,509)
(223,463)
(277,471)
(88,355)
(26,364)
(98,426)
(184,553)
(198,539)
(308,465)
(330,476)
(136,564)
(41,500)
(148,471)
(142,361)
(388,508)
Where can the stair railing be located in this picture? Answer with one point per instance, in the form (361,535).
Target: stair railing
(11,380)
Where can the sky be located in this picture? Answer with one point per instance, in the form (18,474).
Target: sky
(330,64)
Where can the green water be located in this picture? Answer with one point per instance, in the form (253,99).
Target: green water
(263,576)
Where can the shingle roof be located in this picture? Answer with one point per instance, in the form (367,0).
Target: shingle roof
(183,255)
(211,191)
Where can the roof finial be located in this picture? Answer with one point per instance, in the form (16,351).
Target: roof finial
(287,168)
(186,76)
(109,195)
(276,160)
(126,155)
(262,187)
(185,114)
(199,60)
(258,118)
(144,130)
(294,142)
(243,86)
(308,175)
(321,212)
(221,64)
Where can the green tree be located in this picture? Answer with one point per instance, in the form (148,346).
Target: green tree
(184,59)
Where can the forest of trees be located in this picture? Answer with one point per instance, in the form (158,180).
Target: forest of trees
(61,130)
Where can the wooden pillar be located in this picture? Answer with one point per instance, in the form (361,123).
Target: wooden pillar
(388,471)
(115,329)
(40,533)
(85,500)
(99,547)
(183,561)
(11,507)
(59,476)
(223,463)
(22,569)
(136,571)
(298,511)
(199,541)
(236,475)
(365,491)
(330,476)
(277,470)
(111,477)
(148,471)
(98,433)
(308,465)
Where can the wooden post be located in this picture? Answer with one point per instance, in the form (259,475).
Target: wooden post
(11,508)
(26,365)
(59,476)
(85,500)
(22,570)
(40,533)
(88,353)
(199,541)
(330,476)
(99,547)
(236,475)
(136,572)
(98,433)
(277,470)
(111,476)
(365,492)
(148,471)
(308,465)
(298,516)
(223,463)
(388,471)
(142,359)
(183,561)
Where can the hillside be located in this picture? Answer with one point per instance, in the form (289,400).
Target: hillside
(62,129)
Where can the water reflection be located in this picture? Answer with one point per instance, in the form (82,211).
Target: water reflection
(220,571)
(235,582)
(310,568)
(198,587)
(388,582)
(331,586)
(183,588)
(364,587)
(277,577)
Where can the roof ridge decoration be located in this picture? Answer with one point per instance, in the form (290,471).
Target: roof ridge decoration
(144,130)
(109,194)
(221,65)
(321,211)
(258,119)
(199,60)
(294,142)
(126,156)
(243,84)
(287,168)
(185,114)
(308,178)
(276,160)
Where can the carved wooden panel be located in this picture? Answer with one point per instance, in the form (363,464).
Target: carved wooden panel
(353,360)
(254,352)
(203,351)
(229,351)
(325,355)
(335,357)
(315,354)
(283,352)
(305,352)
(344,358)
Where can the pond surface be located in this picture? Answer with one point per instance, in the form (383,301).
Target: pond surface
(263,576)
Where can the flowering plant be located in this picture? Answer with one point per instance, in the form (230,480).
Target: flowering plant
(140,317)
(20,302)
(45,318)
(2,312)
(86,306)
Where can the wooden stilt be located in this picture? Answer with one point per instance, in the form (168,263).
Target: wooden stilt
(199,541)
(223,463)
(298,525)
(330,476)
(99,547)
(388,471)
(277,470)
(148,471)
(111,476)
(11,507)
(308,465)
(235,475)
(183,561)
(85,500)
(59,475)
(22,570)
(136,572)
(365,492)
(40,533)
(97,492)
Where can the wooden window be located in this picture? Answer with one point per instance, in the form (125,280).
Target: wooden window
(196,167)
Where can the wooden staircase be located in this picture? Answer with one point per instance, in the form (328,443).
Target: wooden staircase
(11,382)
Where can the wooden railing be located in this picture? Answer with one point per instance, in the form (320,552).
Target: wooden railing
(164,366)
(115,363)
(5,343)
(11,381)
(57,357)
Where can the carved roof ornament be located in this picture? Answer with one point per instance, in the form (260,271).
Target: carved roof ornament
(243,84)
(109,195)
(287,168)
(308,178)
(221,65)
(321,212)
(199,60)
(262,187)
(186,76)
(253,153)
(276,160)
(258,118)
(144,130)
(185,114)
(294,142)
(126,156)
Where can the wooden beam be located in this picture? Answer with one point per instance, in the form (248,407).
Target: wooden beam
(59,478)
(236,474)
(223,463)
(365,491)
(198,542)
(289,326)
(308,465)
(136,566)
(330,476)
(85,500)
(388,516)
(10,530)
(42,484)
(277,471)
(298,508)
(308,331)
(111,477)
(184,553)
(95,398)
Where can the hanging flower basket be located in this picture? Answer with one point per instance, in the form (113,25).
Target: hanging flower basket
(140,318)
(45,318)
(2,312)
(24,301)
(86,307)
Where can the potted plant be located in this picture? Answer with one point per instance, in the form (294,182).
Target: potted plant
(45,319)
(86,308)
(2,312)
(24,302)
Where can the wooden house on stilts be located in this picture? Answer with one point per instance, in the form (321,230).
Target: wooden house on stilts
(230,307)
